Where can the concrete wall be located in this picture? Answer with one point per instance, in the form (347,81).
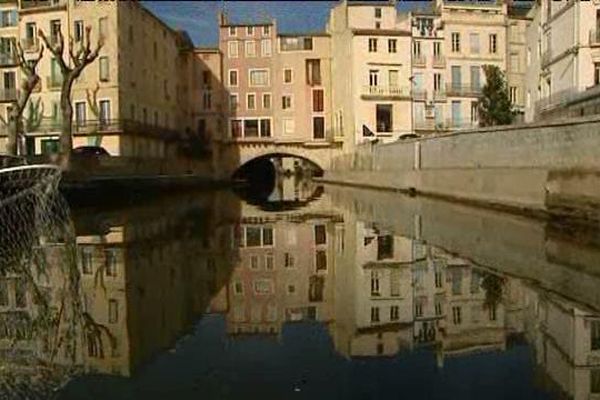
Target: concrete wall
(536,167)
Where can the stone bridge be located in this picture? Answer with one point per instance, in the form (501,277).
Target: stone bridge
(229,156)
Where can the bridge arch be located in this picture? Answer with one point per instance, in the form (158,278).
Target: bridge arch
(275,155)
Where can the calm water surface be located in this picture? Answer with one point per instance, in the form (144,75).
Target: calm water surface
(316,294)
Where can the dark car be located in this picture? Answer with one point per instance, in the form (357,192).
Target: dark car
(90,151)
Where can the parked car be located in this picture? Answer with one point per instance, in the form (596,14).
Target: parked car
(88,151)
(408,136)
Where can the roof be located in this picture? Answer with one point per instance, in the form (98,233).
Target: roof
(374,3)
(298,34)
(381,32)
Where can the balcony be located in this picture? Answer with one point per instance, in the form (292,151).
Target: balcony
(30,44)
(419,61)
(8,59)
(419,94)
(37,4)
(8,95)
(595,37)
(376,92)
(439,95)
(439,62)
(463,90)
(53,82)
(121,126)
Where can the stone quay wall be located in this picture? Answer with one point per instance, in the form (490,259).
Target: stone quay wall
(550,167)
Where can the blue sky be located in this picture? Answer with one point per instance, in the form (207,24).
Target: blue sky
(199,18)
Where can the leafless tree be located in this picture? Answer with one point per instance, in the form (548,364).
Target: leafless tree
(71,66)
(30,81)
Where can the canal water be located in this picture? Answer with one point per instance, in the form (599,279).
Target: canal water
(313,293)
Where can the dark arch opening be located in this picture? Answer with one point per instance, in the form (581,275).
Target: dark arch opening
(259,177)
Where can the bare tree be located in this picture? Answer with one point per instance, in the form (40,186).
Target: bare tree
(71,66)
(30,81)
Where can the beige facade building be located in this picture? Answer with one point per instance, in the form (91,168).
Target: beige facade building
(131,108)
(565,62)
(371,93)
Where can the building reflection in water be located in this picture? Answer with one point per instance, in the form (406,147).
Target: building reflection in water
(147,273)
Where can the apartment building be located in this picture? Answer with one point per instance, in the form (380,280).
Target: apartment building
(370,42)
(128,100)
(9,34)
(428,71)
(517,57)
(569,59)
(474,36)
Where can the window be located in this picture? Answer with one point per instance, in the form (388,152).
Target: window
(265,47)
(456,317)
(394,283)
(254,262)
(596,73)
(238,287)
(374,314)
(20,293)
(455,42)
(266,101)
(250,48)
(384,117)
(393,81)
(86,260)
(54,30)
(266,30)
(263,286)
(419,308)
(417,49)
(30,31)
(474,43)
(437,82)
(286,102)
(493,43)
(78,30)
(265,127)
(513,94)
(296,43)
(288,260)
(206,81)
(474,112)
(232,49)
(313,72)
(80,111)
(8,18)
(251,101)
(595,335)
(287,75)
(320,260)
(437,49)
(595,381)
(104,69)
(113,311)
(318,101)
(377,25)
(233,101)
(514,63)
(233,77)
(377,12)
(250,128)
(438,279)
(374,77)
(232,31)
(103,27)
(392,45)
(259,77)
(111,262)
(320,234)
(288,126)
(372,45)
(236,128)
(492,313)
(318,127)
(375,290)
(250,30)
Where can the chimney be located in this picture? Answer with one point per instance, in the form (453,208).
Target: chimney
(222,18)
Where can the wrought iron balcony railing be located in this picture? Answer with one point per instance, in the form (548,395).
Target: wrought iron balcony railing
(419,60)
(8,95)
(392,91)
(455,89)
(439,62)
